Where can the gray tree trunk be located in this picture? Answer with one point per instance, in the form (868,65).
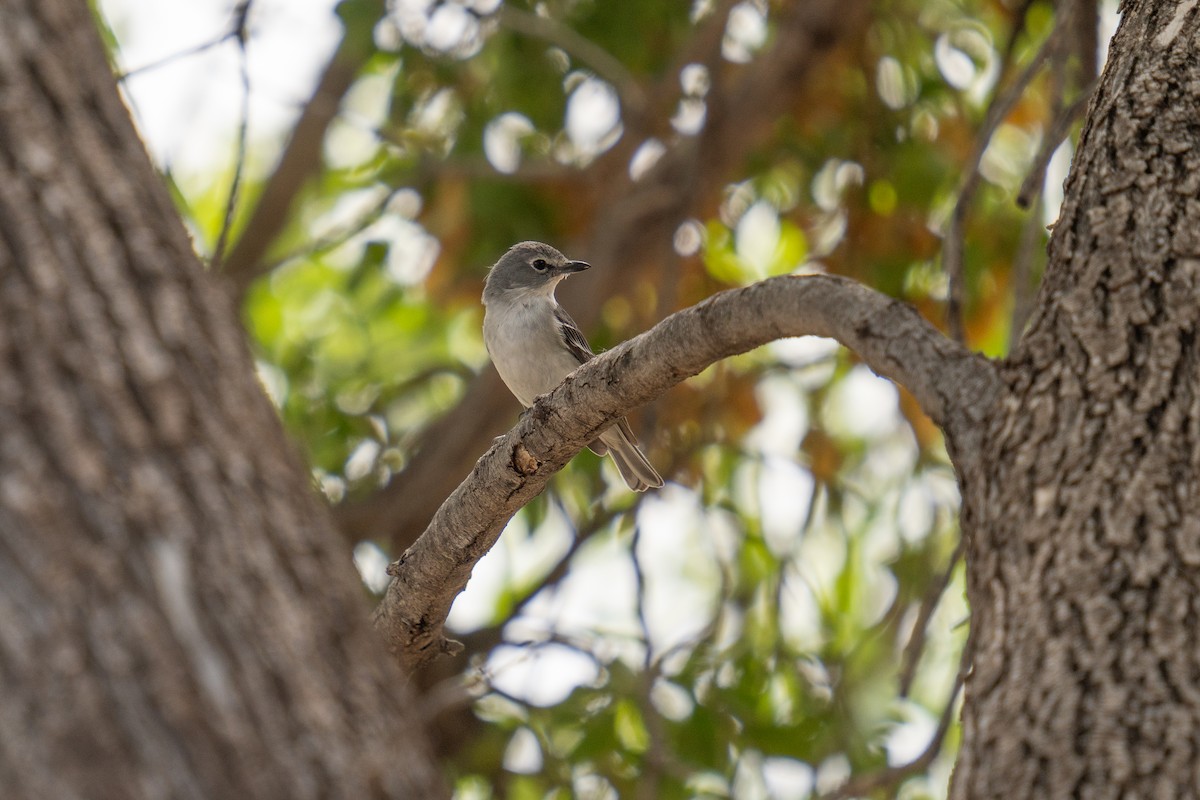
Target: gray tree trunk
(177,617)
(1084,528)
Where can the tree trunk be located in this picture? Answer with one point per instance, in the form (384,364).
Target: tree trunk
(1084,532)
(177,616)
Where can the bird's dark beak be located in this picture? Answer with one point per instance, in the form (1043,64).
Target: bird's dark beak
(575,266)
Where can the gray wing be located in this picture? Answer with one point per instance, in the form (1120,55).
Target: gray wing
(575,342)
(571,335)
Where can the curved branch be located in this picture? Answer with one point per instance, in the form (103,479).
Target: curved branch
(952,385)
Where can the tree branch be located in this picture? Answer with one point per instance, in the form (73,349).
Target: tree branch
(951,384)
(1059,129)
(301,157)
(241,35)
(1003,102)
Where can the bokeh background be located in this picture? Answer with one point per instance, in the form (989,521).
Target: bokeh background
(785,619)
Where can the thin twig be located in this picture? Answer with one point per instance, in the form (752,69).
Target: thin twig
(595,524)
(891,777)
(639,577)
(237,30)
(801,532)
(1030,193)
(1019,27)
(301,158)
(335,237)
(1059,130)
(241,14)
(182,54)
(457,691)
(1022,272)
(529,171)
(952,250)
(487,673)
(929,603)
(657,757)
(485,639)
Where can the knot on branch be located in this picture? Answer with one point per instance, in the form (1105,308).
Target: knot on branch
(393,569)
(523,461)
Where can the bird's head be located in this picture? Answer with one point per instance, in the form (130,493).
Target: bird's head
(530,267)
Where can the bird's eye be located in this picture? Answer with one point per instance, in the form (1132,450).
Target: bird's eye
(540,264)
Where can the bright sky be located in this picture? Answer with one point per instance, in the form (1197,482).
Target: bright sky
(188,108)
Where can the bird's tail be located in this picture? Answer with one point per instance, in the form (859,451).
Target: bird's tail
(638,473)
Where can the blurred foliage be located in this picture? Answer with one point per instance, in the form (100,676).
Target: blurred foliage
(744,632)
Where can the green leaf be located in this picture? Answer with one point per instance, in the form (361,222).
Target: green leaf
(630,727)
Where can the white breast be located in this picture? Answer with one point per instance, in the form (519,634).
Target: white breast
(523,340)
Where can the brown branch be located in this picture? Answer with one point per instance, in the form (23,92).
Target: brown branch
(1086,30)
(301,158)
(1069,35)
(953,386)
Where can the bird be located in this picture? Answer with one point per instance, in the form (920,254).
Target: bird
(534,343)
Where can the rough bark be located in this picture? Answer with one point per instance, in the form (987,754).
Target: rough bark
(953,386)
(177,616)
(1084,532)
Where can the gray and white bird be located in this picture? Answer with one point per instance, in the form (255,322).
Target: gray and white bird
(534,343)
